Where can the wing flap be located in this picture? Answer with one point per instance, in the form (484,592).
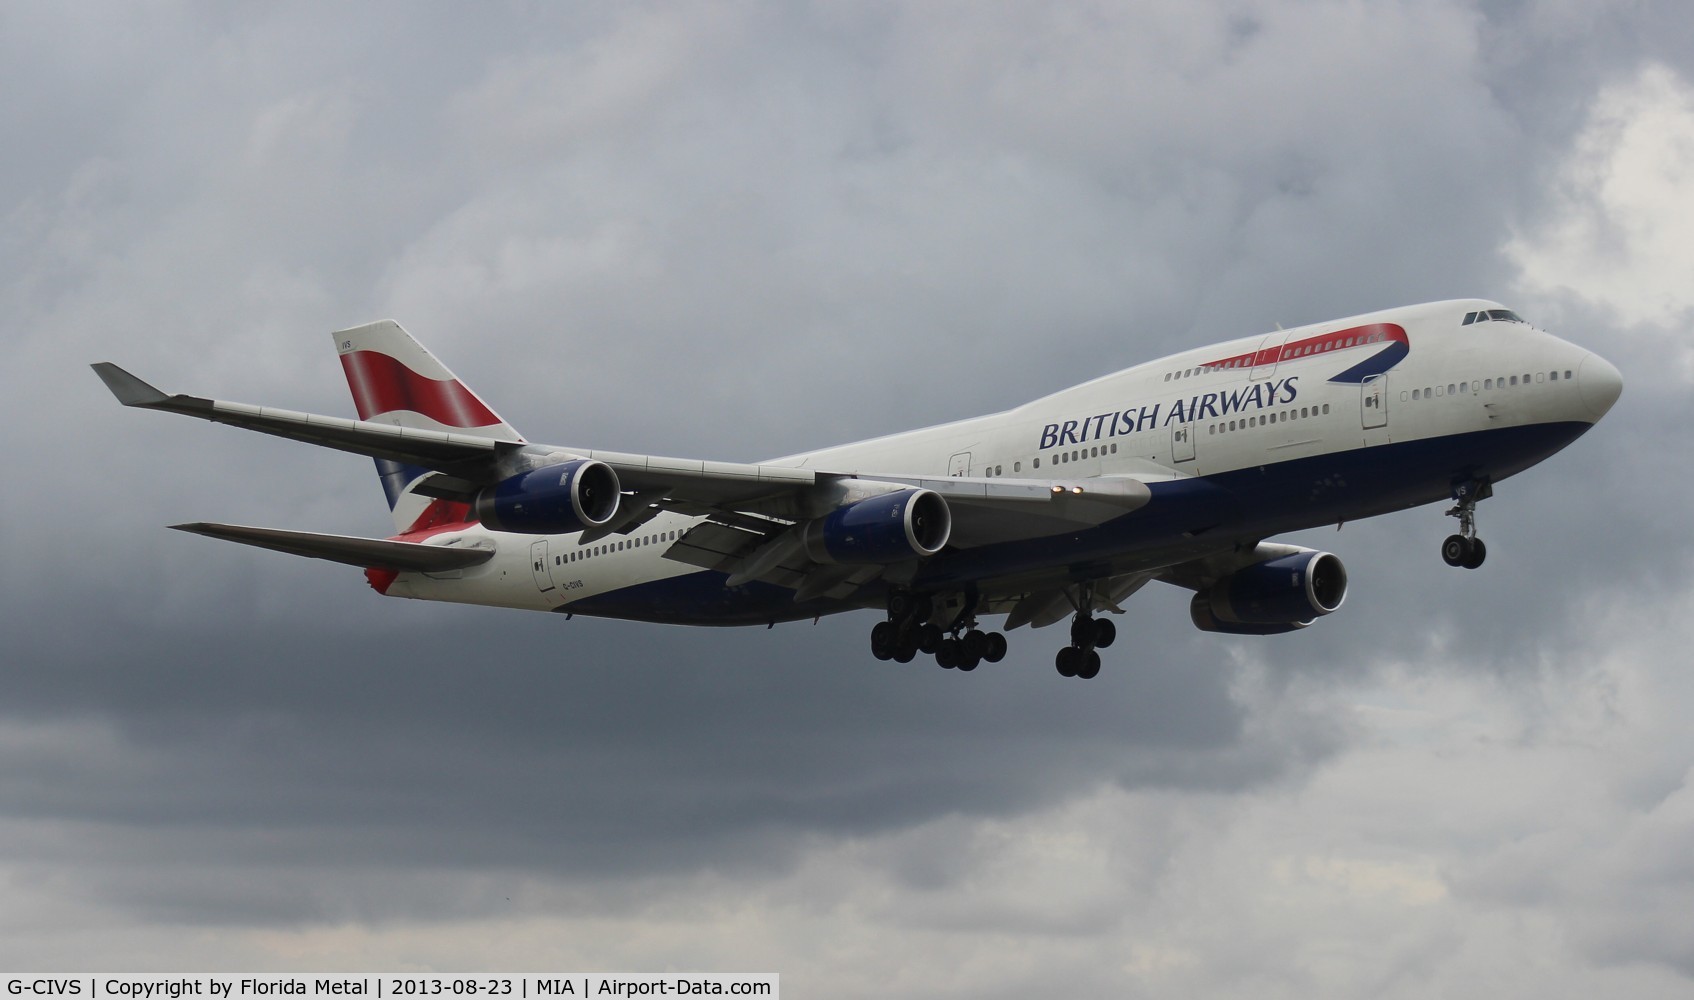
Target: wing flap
(369,553)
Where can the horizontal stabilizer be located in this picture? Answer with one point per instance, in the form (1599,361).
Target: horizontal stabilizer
(369,553)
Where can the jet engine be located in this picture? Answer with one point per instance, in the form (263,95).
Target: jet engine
(1280,594)
(552,500)
(884,529)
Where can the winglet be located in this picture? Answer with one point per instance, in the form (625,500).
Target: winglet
(130,390)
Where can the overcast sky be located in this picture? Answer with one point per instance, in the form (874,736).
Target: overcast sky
(742,230)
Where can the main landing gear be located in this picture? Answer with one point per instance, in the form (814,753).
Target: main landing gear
(1088,635)
(1465,549)
(909,631)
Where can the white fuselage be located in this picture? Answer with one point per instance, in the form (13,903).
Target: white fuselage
(1262,417)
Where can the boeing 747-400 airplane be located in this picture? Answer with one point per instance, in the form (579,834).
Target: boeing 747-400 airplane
(1177,470)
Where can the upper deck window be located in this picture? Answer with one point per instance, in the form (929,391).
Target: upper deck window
(1493,316)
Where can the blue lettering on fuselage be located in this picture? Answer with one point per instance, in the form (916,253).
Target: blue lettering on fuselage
(1135,419)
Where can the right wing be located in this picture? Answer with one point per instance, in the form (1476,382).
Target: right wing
(752,510)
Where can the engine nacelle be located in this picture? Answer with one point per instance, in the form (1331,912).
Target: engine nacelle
(552,500)
(884,529)
(1279,595)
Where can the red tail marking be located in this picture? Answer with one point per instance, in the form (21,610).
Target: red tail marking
(381,384)
(439,516)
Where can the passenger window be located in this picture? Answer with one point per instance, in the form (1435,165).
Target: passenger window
(1567,375)
(1537,377)
(1326,408)
(1035,463)
(1451,388)
(1017,466)
(1417,393)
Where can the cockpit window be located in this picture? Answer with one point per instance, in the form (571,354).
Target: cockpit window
(1493,316)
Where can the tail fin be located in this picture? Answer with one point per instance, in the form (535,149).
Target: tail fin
(395,380)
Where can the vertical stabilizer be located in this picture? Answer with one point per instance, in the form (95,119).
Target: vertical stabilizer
(395,380)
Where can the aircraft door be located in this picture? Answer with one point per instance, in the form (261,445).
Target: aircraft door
(538,563)
(1269,353)
(1373,401)
(1182,442)
(960,464)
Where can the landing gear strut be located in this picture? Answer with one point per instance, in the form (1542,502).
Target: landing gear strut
(1465,549)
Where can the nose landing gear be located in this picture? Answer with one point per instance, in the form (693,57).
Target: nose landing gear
(1465,549)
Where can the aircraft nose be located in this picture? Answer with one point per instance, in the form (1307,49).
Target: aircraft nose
(1600,383)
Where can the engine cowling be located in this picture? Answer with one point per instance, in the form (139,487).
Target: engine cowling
(905,524)
(1280,594)
(552,500)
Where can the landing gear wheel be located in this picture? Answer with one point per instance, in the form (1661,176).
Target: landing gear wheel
(929,637)
(947,653)
(1090,665)
(1082,630)
(883,640)
(969,663)
(1105,633)
(996,648)
(1068,660)
(974,645)
(1478,552)
(906,648)
(1465,549)
(1455,550)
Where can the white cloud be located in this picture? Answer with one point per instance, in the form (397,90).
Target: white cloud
(1621,232)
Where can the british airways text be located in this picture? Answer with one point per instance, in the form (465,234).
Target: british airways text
(1204,406)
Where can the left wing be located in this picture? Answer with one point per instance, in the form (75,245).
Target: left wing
(370,553)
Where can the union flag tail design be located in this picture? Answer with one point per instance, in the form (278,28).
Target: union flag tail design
(395,380)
